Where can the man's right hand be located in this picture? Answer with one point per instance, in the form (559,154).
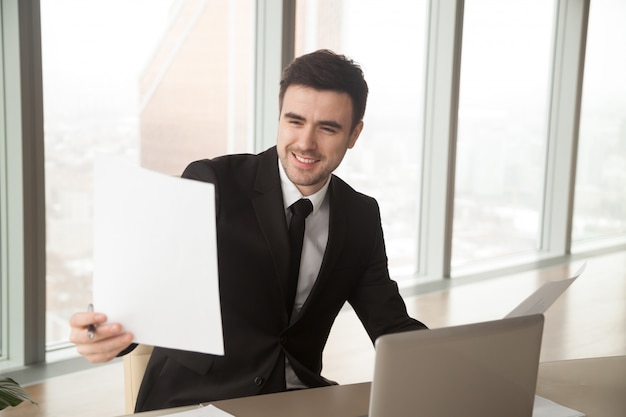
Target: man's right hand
(108,341)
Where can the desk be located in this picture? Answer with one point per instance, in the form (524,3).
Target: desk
(596,387)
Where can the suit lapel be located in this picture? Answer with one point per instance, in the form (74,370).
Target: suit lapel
(336,229)
(269,208)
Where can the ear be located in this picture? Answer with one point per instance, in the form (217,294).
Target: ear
(354,135)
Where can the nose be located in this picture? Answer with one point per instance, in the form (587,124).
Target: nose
(306,139)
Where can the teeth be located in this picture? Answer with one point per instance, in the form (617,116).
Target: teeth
(304,160)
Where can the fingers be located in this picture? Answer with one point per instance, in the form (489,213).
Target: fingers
(109,339)
(80,335)
(104,349)
(80,322)
(84,319)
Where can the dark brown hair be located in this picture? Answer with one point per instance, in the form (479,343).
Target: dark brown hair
(326,70)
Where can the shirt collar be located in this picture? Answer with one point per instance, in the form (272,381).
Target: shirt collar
(291,194)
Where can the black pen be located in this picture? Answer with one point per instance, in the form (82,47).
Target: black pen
(91,329)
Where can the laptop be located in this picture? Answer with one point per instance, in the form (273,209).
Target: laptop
(486,369)
(482,369)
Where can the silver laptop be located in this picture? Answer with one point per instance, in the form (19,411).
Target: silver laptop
(484,369)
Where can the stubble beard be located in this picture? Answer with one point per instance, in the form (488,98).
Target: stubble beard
(302,178)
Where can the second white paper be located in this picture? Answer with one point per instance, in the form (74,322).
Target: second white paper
(539,301)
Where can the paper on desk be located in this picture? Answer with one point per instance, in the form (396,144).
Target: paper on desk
(546,408)
(155,260)
(208,411)
(542,299)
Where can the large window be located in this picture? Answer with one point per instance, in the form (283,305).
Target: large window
(386,161)
(154,82)
(502,133)
(600,210)
(163,82)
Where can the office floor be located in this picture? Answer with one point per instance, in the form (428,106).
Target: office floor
(589,320)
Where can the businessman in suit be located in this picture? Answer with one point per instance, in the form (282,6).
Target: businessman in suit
(274,336)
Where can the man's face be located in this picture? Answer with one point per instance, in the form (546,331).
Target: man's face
(314,135)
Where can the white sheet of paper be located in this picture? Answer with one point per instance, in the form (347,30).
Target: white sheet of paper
(208,411)
(155,257)
(546,408)
(539,301)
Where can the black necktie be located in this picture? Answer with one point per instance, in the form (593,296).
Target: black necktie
(299,211)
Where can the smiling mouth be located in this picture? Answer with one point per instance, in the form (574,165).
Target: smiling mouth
(304,160)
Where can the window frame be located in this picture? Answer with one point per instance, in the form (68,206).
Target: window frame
(443,74)
(23,217)
(566,98)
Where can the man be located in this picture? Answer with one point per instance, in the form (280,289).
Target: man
(269,345)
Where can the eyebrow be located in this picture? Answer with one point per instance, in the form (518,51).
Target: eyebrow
(328,123)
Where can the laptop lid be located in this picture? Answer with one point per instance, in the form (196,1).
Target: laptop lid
(481,369)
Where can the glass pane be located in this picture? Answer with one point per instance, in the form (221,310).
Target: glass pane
(505,70)
(386,161)
(156,82)
(600,199)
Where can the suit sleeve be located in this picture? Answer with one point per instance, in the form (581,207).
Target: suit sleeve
(203,171)
(377,300)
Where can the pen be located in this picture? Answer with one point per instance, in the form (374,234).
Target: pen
(91,329)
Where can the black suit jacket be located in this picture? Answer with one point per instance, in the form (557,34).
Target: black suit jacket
(253,251)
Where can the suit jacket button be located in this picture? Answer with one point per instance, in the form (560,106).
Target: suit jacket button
(258,381)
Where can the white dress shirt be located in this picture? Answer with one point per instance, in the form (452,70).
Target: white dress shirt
(313,248)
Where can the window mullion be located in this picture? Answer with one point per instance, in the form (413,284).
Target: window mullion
(274,49)
(569,54)
(13,188)
(440,133)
